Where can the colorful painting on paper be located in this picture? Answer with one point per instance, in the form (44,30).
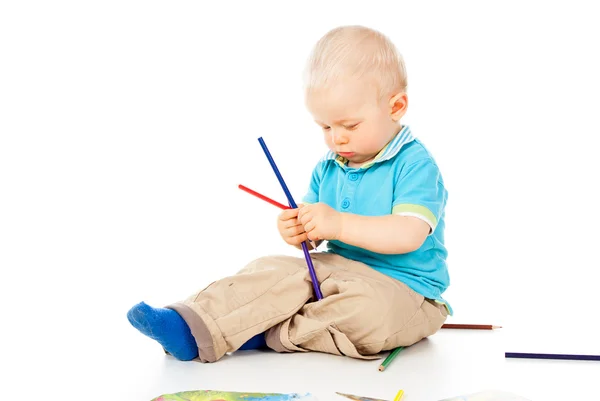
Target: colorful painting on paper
(211,395)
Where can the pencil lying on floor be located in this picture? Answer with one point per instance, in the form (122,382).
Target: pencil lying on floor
(570,357)
(390,358)
(470,326)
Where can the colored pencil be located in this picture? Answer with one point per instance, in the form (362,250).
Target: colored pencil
(266,199)
(552,356)
(390,358)
(272,202)
(293,205)
(470,326)
(358,397)
(399,396)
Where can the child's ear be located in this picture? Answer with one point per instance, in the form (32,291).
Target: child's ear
(398,105)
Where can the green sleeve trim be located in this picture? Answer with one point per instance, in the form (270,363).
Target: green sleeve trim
(416,211)
(448,309)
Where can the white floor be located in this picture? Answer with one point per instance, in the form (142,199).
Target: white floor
(100,357)
(449,364)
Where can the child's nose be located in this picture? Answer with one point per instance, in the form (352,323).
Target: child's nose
(338,138)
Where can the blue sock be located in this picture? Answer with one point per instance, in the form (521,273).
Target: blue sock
(167,327)
(256,342)
(172,332)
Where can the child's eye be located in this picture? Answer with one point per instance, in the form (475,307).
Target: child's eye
(351,127)
(326,128)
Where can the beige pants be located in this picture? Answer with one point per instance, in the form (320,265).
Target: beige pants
(362,313)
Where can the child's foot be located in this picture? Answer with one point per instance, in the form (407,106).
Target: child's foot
(167,327)
(256,342)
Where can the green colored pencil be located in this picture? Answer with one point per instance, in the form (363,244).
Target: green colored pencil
(390,358)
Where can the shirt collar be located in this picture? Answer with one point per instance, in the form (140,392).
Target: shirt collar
(389,151)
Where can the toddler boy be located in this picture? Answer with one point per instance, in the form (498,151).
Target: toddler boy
(377,198)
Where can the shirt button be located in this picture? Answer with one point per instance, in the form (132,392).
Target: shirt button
(346,203)
(353,177)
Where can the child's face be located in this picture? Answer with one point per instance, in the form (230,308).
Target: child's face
(356,125)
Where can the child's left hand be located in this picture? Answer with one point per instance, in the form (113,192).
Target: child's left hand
(320,221)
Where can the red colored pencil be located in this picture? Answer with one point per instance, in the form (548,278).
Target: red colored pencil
(470,326)
(271,201)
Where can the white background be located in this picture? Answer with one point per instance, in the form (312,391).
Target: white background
(126,127)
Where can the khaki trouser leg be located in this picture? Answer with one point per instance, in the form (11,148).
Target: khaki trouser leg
(363,313)
(229,312)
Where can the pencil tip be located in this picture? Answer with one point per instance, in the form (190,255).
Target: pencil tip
(381,368)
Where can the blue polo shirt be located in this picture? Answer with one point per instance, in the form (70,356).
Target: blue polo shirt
(403,179)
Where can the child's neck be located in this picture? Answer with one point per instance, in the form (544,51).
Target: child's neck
(358,165)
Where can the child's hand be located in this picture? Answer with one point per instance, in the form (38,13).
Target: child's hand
(290,228)
(320,221)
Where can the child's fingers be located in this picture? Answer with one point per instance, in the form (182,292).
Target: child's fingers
(294,230)
(313,236)
(304,218)
(288,214)
(298,239)
(303,210)
(308,227)
(291,223)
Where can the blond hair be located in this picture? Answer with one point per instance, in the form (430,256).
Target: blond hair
(356,52)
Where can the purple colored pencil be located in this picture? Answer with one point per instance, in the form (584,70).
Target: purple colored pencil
(571,357)
(293,205)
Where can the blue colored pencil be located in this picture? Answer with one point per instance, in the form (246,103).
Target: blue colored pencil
(293,205)
(552,356)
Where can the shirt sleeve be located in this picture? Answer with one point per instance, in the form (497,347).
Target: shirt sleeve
(312,195)
(420,192)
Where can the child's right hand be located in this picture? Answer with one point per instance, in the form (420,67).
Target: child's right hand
(290,228)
